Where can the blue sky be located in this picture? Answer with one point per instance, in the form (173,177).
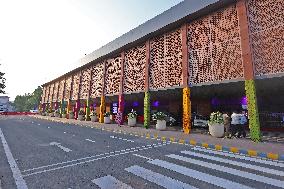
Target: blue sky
(43,39)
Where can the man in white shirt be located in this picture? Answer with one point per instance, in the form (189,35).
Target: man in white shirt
(241,128)
(235,123)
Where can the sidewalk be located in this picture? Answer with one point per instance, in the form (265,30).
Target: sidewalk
(245,146)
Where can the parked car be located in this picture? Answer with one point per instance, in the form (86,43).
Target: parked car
(200,121)
(34,111)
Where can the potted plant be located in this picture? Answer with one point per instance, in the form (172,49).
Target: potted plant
(44,113)
(93,116)
(51,113)
(172,121)
(71,115)
(107,117)
(160,117)
(132,118)
(57,113)
(216,124)
(63,113)
(81,115)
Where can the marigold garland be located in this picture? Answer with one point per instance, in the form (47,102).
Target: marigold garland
(147,110)
(102,109)
(62,106)
(186,120)
(254,124)
(68,106)
(120,109)
(88,111)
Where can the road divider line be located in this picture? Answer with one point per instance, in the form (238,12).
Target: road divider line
(85,160)
(60,146)
(79,163)
(119,138)
(20,182)
(90,140)
(142,156)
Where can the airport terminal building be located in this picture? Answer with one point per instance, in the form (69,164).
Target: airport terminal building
(195,58)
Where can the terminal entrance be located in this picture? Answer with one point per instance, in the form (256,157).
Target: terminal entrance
(270,96)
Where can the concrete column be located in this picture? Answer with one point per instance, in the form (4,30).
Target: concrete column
(120,113)
(250,90)
(103,105)
(186,119)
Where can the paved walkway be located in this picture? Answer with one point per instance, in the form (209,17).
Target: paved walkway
(237,145)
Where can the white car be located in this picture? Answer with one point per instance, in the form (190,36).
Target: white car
(200,121)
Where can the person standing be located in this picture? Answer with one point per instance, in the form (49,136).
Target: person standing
(234,123)
(226,119)
(243,121)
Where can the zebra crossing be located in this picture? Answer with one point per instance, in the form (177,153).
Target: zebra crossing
(200,168)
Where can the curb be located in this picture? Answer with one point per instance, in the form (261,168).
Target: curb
(181,141)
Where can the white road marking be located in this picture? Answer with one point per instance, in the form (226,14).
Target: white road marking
(157,178)
(142,156)
(240,164)
(60,146)
(228,170)
(89,140)
(198,175)
(20,182)
(70,163)
(268,162)
(124,139)
(109,182)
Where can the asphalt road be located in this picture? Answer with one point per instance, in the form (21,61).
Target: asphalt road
(41,154)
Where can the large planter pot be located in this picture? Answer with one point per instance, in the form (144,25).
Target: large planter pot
(131,122)
(81,117)
(63,116)
(106,119)
(51,114)
(216,130)
(43,113)
(93,118)
(161,124)
(71,116)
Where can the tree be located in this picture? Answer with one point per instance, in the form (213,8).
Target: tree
(2,83)
(28,101)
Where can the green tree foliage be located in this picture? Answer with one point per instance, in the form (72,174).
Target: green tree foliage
(2,83)
(28,101)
